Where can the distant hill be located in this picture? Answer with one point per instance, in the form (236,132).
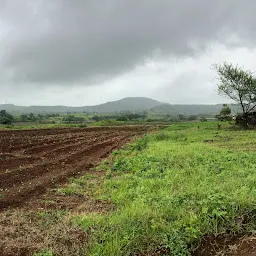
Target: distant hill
(132,104)
(126,104)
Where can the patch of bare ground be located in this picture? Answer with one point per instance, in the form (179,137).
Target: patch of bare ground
(24,233)
(227,245)
(44,223)
(32,161)
(224,245)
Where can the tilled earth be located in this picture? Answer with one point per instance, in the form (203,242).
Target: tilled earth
(31,161)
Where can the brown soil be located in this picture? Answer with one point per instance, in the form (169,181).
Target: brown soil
(227,245)
(32,161)
(24,233)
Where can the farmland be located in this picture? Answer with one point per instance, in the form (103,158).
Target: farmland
(186,190)
(32,160)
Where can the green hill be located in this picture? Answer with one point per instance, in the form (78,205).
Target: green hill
(126,104)
(134,104)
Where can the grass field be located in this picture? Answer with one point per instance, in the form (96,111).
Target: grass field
(26,126)
(169,190)
(172,188)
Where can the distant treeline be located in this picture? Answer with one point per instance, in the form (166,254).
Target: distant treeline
(144,116)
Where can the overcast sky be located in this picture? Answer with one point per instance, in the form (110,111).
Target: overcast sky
(85,52)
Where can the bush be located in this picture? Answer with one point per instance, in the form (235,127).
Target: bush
(73,119)
(203,119)
(140,144)
(6,118)
(246,120)
(162,136)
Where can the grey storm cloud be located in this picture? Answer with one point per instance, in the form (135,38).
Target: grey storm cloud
(64,41)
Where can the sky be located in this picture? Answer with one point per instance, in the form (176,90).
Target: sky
(86,52)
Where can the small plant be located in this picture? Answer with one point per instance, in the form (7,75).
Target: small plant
(174,242)
(120,165)
(108,175)
(44,253)
(66,191)
(140,144)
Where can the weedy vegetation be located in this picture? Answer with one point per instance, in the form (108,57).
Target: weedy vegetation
(174,187)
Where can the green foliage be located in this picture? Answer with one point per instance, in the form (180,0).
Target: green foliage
(225,110)
(140,144)
(181,117)
(122,118)
(175,188)
(161,136)
(44,253)
(96,118)
(192,118)
(203,119)
(30,117)
(73,119)
(81,187)
(238,85)
(246,120)
(48,218)
(6,118)
(225,113)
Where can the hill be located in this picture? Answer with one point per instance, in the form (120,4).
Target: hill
(126,104)
(134,104)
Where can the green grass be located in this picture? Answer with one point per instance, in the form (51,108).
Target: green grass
(76,125)
(41,126)
(173,187)
(79,186)
(44,253)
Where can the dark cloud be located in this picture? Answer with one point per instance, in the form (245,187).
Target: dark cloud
(63,41)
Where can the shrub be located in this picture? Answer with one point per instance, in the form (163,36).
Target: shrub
(6,118)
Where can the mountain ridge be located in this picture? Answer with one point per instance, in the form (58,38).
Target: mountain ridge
(125,104)
(134,104)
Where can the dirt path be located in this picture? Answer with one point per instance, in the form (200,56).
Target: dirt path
(31,161)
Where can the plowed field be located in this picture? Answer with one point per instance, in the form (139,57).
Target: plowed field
(33,160)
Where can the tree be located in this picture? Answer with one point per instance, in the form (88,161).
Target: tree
(238,85)
(182,117)
(95,118)
(6,118)
(192,118)
(31,117)
(203,119)
(23,118)
(72,119)
(225,113)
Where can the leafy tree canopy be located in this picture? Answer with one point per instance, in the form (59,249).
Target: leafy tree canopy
(6,118)
(237,84)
